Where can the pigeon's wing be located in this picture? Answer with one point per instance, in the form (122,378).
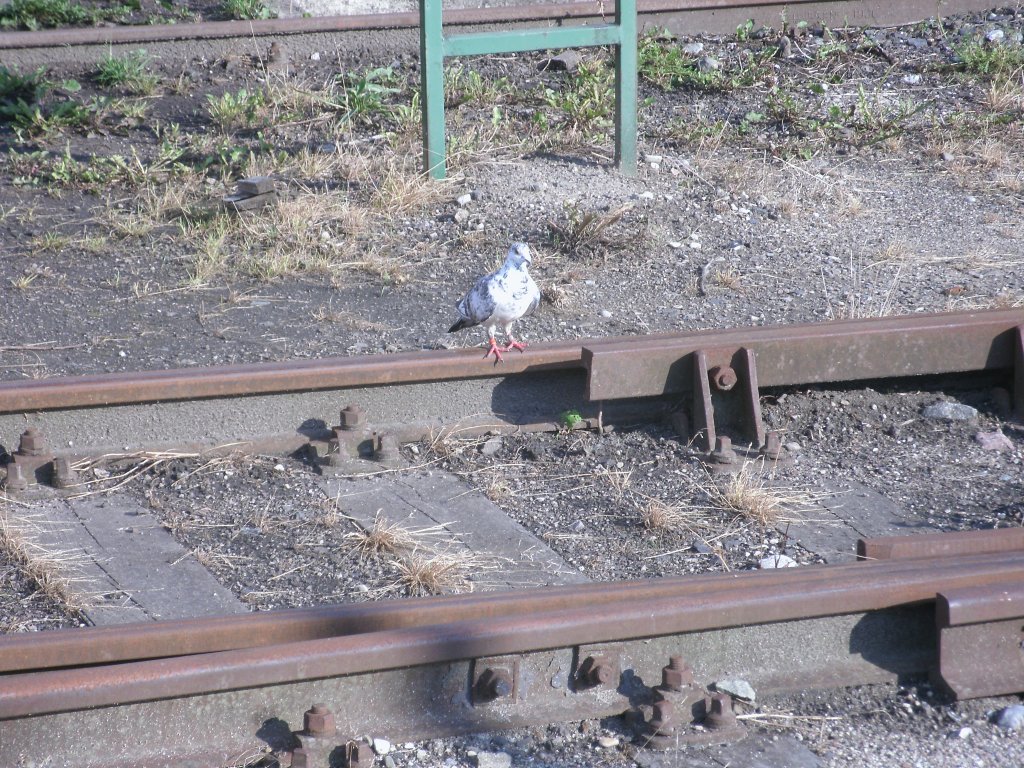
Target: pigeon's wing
(477,305)
(534,299)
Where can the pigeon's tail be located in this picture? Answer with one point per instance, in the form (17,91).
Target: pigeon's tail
(461,323)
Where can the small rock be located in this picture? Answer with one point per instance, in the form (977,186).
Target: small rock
(793,447)
(701,547)
(279,467)
(362,588)
(646,195)
(994,441)
(314,56)
(461,216)
(738,689)
(578,527)
(493,760)
(491,446)
(785,48)
(913,79)
(465,199)
(950,412)
(654,158)
(693,49)
(381,746)
(563,62)
(965,732)
(675,245)
(607,742)
(947,157)
(708,64)
(605,313)
(328,148)
(995,35)
(917,42)
(777,561)
(1010,718)
(538,186)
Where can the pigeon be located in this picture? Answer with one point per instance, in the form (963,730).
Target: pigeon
(500,298)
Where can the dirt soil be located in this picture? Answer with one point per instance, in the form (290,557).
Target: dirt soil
(824,174)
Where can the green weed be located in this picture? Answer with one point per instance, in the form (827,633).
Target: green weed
(233,110)
(588,102)
(130,72)
(990,60)
(364,96)
(247,9)
(37,14)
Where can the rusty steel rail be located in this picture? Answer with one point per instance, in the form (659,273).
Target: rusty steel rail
(551,12)
(881,620)
(151,640)
(617,367)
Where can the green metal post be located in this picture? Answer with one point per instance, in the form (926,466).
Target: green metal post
(625,87)
(432,87)
(434,47)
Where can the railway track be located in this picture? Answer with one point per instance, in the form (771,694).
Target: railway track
(712,16)
(205,690)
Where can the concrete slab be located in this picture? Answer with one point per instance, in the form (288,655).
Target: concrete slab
(755,751)
(850,511)
(128,566)
(419,499)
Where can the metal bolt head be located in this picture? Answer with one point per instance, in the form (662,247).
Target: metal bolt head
(677,675)
(493,684)
(16,480)
(32,443)
(662,717)
(386,447)
(720,712)
(723,453)
(358,754)
(723,377)
(319,721)
(596,670)
(772,445)
(63,475)
(352,417)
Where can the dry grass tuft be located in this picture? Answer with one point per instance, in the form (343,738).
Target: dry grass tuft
(750,495)
(586,233)
(385,537)
(658,515)
(435,573)
(52,571)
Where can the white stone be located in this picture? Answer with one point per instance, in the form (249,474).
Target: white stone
(314,56)
(739,689)
(279,467)
(912,79)
(493,760)
(605,313)
(381,746)
(1010,718)
(465,199)
(965,732)
(607,742)
(946,411)
(777,561)
(693,49)
(994,441)
(995,35)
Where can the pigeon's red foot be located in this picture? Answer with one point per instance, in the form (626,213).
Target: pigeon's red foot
(513,344)
(493,349)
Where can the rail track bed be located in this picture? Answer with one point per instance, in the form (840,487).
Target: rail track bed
(204,415)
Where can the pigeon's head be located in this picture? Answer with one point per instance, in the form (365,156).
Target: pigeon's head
(518,255)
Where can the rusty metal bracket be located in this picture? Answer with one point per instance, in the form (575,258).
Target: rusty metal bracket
(1018,373)
(726,396)
(981,630)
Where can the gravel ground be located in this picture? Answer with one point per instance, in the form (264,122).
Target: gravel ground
(826,174)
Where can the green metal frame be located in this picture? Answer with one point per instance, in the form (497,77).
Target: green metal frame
(435,46)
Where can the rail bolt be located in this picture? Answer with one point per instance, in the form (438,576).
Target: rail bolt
(386,448)
(63,475)
(723,453)
(32,443)
(720,713)
(594,671)
(352,417)
(358,754)
(16,480)
(493,684)
(677,675)
(723,377)
(772,445)
(319,721)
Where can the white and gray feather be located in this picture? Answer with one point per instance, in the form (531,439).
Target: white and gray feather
(502,297)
